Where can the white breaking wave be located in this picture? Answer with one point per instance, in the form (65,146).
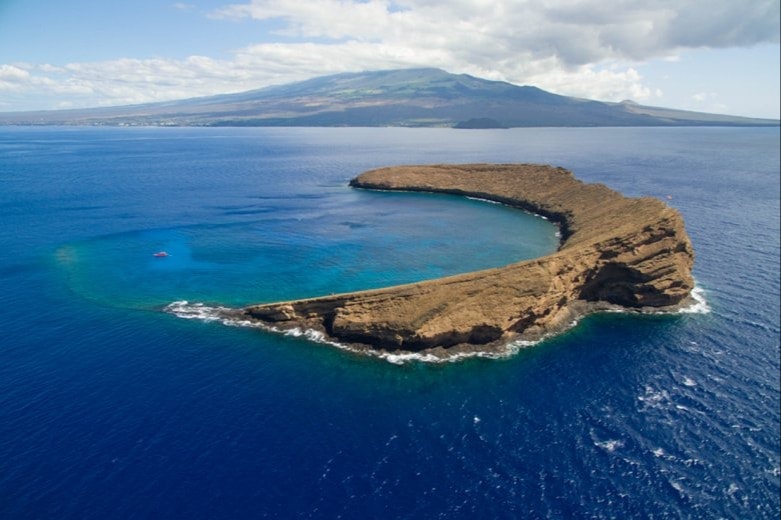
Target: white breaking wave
(199,311)
(489,201)
(312,335)
(654,399)
(700,304)
(232,318)
(503,352)
(610,445)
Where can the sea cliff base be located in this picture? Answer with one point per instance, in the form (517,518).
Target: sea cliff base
(616,253)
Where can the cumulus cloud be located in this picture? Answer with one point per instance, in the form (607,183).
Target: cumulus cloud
(11,73)
(577,32)
(587,48)
(128,81)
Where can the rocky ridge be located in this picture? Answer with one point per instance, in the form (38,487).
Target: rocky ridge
(615,251)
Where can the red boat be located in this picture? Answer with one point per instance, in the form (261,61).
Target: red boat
(160,254)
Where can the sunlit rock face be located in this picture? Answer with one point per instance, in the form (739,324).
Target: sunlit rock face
(615,251)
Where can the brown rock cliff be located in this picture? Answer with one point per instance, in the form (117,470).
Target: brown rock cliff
(615,251)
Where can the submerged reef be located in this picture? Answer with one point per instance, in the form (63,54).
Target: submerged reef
(615,252)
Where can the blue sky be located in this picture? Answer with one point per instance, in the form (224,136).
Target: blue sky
(709,55)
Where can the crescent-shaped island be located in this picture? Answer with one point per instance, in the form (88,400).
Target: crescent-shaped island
(615,252)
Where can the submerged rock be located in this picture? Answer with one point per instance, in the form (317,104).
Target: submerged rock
(615,251)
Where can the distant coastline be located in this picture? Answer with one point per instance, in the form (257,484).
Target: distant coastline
(615,253)
(424,97)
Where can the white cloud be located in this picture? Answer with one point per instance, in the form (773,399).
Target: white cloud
(607,84)
(577,32)
(587,48)
(700,97)
(11,73)
(707,102)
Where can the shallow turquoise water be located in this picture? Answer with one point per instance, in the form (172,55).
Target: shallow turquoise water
(290,249)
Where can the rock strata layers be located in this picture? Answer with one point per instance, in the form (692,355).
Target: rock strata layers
(614,251)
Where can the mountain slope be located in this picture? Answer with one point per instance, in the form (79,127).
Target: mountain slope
(407,97)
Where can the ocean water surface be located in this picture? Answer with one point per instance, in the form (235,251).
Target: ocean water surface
(111,407)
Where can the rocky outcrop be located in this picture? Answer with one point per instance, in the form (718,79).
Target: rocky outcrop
(615,251)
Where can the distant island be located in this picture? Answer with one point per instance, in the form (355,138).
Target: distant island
(403,98)
(615,253)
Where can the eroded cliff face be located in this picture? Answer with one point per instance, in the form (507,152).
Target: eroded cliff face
(615,251)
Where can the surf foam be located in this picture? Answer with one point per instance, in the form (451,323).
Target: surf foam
(234,318)
(699,305)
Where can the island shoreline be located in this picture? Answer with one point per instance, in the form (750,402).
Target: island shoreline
(615,253)
(499,350)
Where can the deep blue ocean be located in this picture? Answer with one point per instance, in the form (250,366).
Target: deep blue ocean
(112,408)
